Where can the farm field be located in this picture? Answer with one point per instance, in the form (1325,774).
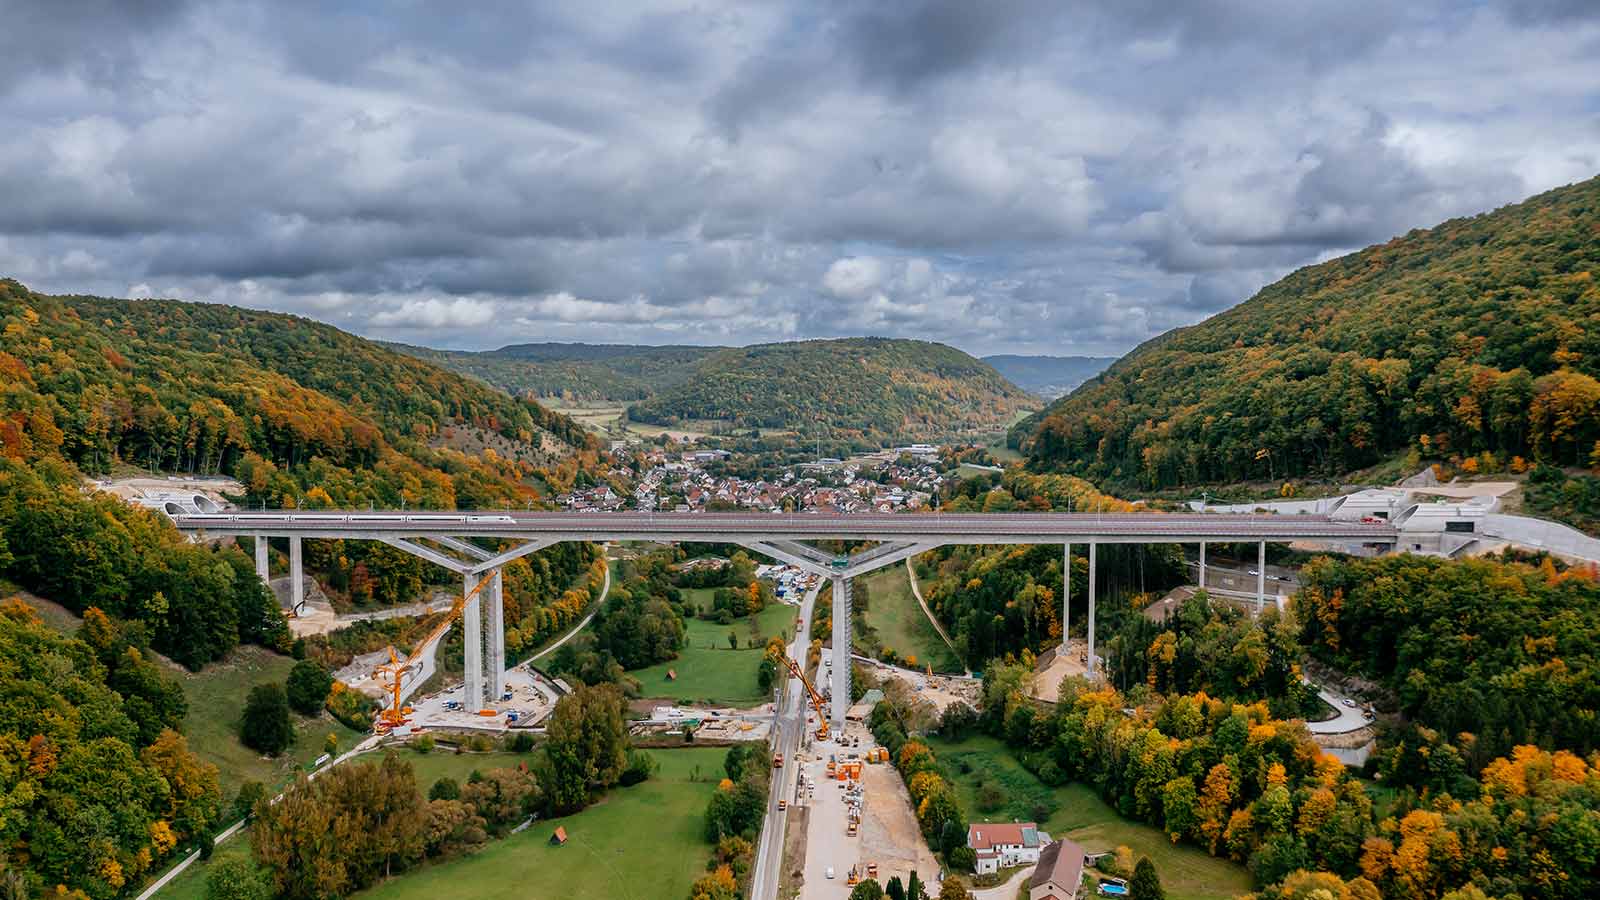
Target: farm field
(707,670)
(1075,811)
(639,843)
(894,614)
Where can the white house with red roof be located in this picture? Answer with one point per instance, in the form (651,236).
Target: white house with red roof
(999,845)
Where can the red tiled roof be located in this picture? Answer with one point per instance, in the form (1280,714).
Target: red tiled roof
(983,836)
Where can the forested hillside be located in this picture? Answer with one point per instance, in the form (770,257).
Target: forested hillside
(1049,376)
(301,411)
(99,789)
(574,372)
(871,390)
(1475,337)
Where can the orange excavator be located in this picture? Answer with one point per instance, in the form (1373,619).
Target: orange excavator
(392,673)
(817,702)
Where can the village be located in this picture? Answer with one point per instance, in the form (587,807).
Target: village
(655,478)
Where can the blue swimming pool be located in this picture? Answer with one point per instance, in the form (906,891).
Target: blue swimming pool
(1113,890)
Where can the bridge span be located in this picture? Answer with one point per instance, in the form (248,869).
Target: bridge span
(449,539)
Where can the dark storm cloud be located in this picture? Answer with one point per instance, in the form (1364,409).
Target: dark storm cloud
(94,39)
(1057,176)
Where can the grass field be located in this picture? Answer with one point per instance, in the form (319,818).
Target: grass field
(893,612)
(216,700)
(639,843)
(708,671)
(1076,812)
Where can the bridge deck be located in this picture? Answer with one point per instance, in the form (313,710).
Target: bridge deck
(950,528)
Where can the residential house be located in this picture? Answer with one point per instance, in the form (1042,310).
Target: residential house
(1059,873)
(999,845)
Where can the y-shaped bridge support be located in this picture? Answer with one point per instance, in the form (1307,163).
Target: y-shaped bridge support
(840,569)
(483,616)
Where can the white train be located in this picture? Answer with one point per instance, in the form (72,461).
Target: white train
(357,518)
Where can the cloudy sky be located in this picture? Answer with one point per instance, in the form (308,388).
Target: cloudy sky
(1039,176)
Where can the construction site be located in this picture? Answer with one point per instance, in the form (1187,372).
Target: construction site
(393,676)
(858,817)
(852,813)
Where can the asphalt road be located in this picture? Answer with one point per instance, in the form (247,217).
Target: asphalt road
(788,727)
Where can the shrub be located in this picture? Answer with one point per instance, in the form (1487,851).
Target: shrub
(237,879)
(640,767)
(445,788)
(352,708)
(244,803)
(963,858)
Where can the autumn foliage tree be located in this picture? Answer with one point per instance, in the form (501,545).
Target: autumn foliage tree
(1468,337)
(342,832)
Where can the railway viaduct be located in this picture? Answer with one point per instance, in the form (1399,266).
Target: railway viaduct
(448,537)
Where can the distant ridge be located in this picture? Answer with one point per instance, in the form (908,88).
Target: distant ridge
(1048,376)
(582,372)
(869,390)
(866,390)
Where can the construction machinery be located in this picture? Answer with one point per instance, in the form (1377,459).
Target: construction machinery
(817,703)
(392,673)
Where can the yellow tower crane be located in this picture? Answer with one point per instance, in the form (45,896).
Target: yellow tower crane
(391,673)
(817,702)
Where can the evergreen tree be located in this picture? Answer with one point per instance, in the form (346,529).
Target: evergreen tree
(867,890)
(266,726)
(1146,885)
(307,687)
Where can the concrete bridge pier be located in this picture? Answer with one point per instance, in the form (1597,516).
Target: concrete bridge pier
(495,637)
(1091,666)
(1066,596)
(297,576)
(262,571)
(1261,577)
(1202,565)
(472,684)
(841,651)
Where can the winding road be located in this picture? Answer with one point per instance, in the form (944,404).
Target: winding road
(605,590)
(916,591)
